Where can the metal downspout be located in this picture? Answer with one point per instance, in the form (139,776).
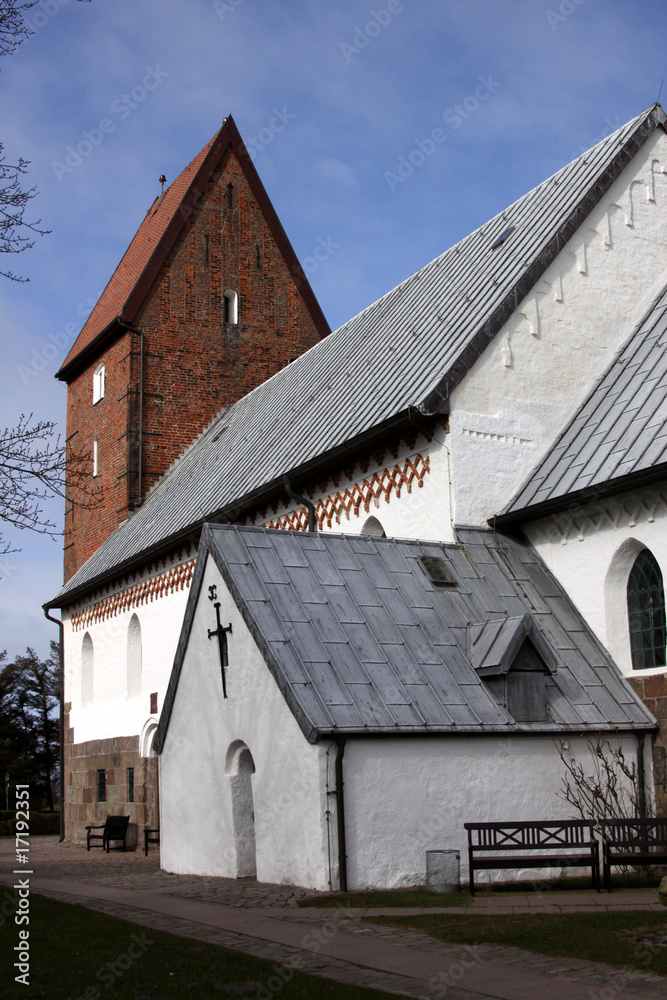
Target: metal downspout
(641,777)
(133,329)
(61,727)
(340,814)
(310,507)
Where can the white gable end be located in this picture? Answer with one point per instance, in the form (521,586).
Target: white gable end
(204,811)
(521,391)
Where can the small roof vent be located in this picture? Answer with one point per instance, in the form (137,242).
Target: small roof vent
(503,236)
(437,571)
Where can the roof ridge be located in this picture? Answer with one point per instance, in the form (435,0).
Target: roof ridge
(364,378)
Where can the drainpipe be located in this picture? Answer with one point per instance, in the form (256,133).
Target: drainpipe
(340,814)
(641,778)
(133,329)
(61,727)
(310,507)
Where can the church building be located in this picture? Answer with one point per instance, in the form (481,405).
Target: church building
(354,589)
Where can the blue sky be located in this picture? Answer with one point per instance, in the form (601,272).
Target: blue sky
(332,98)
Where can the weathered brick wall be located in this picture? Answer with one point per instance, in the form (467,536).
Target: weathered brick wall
(653,692)
(82,762)
(194,362)
(107,421)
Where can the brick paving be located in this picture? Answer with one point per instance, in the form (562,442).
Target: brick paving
(264,921)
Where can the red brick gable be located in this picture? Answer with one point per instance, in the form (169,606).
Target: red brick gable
(140,265)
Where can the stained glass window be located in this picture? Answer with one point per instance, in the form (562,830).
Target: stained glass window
(646,613)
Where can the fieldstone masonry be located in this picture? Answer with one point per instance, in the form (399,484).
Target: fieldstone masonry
(653,692)
(82,762)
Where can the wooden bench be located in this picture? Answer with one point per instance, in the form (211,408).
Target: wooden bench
(632,842)
(150,837)
(552,844)
(114,828)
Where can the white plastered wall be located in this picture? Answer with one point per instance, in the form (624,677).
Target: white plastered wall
(405,797)
(197,834)
(591,548)
(518,396)
(112,713)
(418,512)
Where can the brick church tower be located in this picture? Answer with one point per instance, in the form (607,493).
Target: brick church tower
(208,302)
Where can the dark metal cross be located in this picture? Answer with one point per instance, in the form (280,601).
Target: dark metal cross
(222,638)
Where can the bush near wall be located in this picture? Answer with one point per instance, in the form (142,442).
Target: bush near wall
(40,823)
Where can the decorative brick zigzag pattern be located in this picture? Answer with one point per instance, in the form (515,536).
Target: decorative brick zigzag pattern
(177,578)
(590,516)
(360,495)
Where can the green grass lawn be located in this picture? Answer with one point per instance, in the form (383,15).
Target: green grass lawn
(388,897)
(419,896)
(623,939)
(77,954)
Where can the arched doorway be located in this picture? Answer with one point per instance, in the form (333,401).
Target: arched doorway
(240,768)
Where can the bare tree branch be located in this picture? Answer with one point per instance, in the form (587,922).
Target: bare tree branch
(34,467)
(16,235)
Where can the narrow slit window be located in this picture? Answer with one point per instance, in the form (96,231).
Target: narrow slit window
(231,306)
(646,613)
(95,466)
(98,384)
(101,785)
(130,784)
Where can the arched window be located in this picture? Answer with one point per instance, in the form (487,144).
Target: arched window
(231,305)
(87,658)
(98,384)
(134,658)
(646,612)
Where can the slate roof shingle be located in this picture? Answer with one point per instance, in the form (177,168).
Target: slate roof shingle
(360,641)
(406,351)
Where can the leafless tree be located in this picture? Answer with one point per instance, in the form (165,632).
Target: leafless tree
(606,787)
(35,467)
(16,234)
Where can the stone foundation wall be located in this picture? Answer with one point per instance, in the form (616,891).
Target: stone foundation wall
(82,761)
(653,692)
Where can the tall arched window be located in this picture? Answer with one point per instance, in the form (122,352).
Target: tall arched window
(87,662)
(134,658)
(646,612)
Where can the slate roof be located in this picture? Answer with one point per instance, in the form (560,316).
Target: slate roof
(619,431)
(158,232)
(360,641)
(405,352)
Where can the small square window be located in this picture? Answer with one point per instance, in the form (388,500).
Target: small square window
(98,384)
(101,785)
(130,784)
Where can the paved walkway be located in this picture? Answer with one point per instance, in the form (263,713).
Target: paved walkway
(264,920)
